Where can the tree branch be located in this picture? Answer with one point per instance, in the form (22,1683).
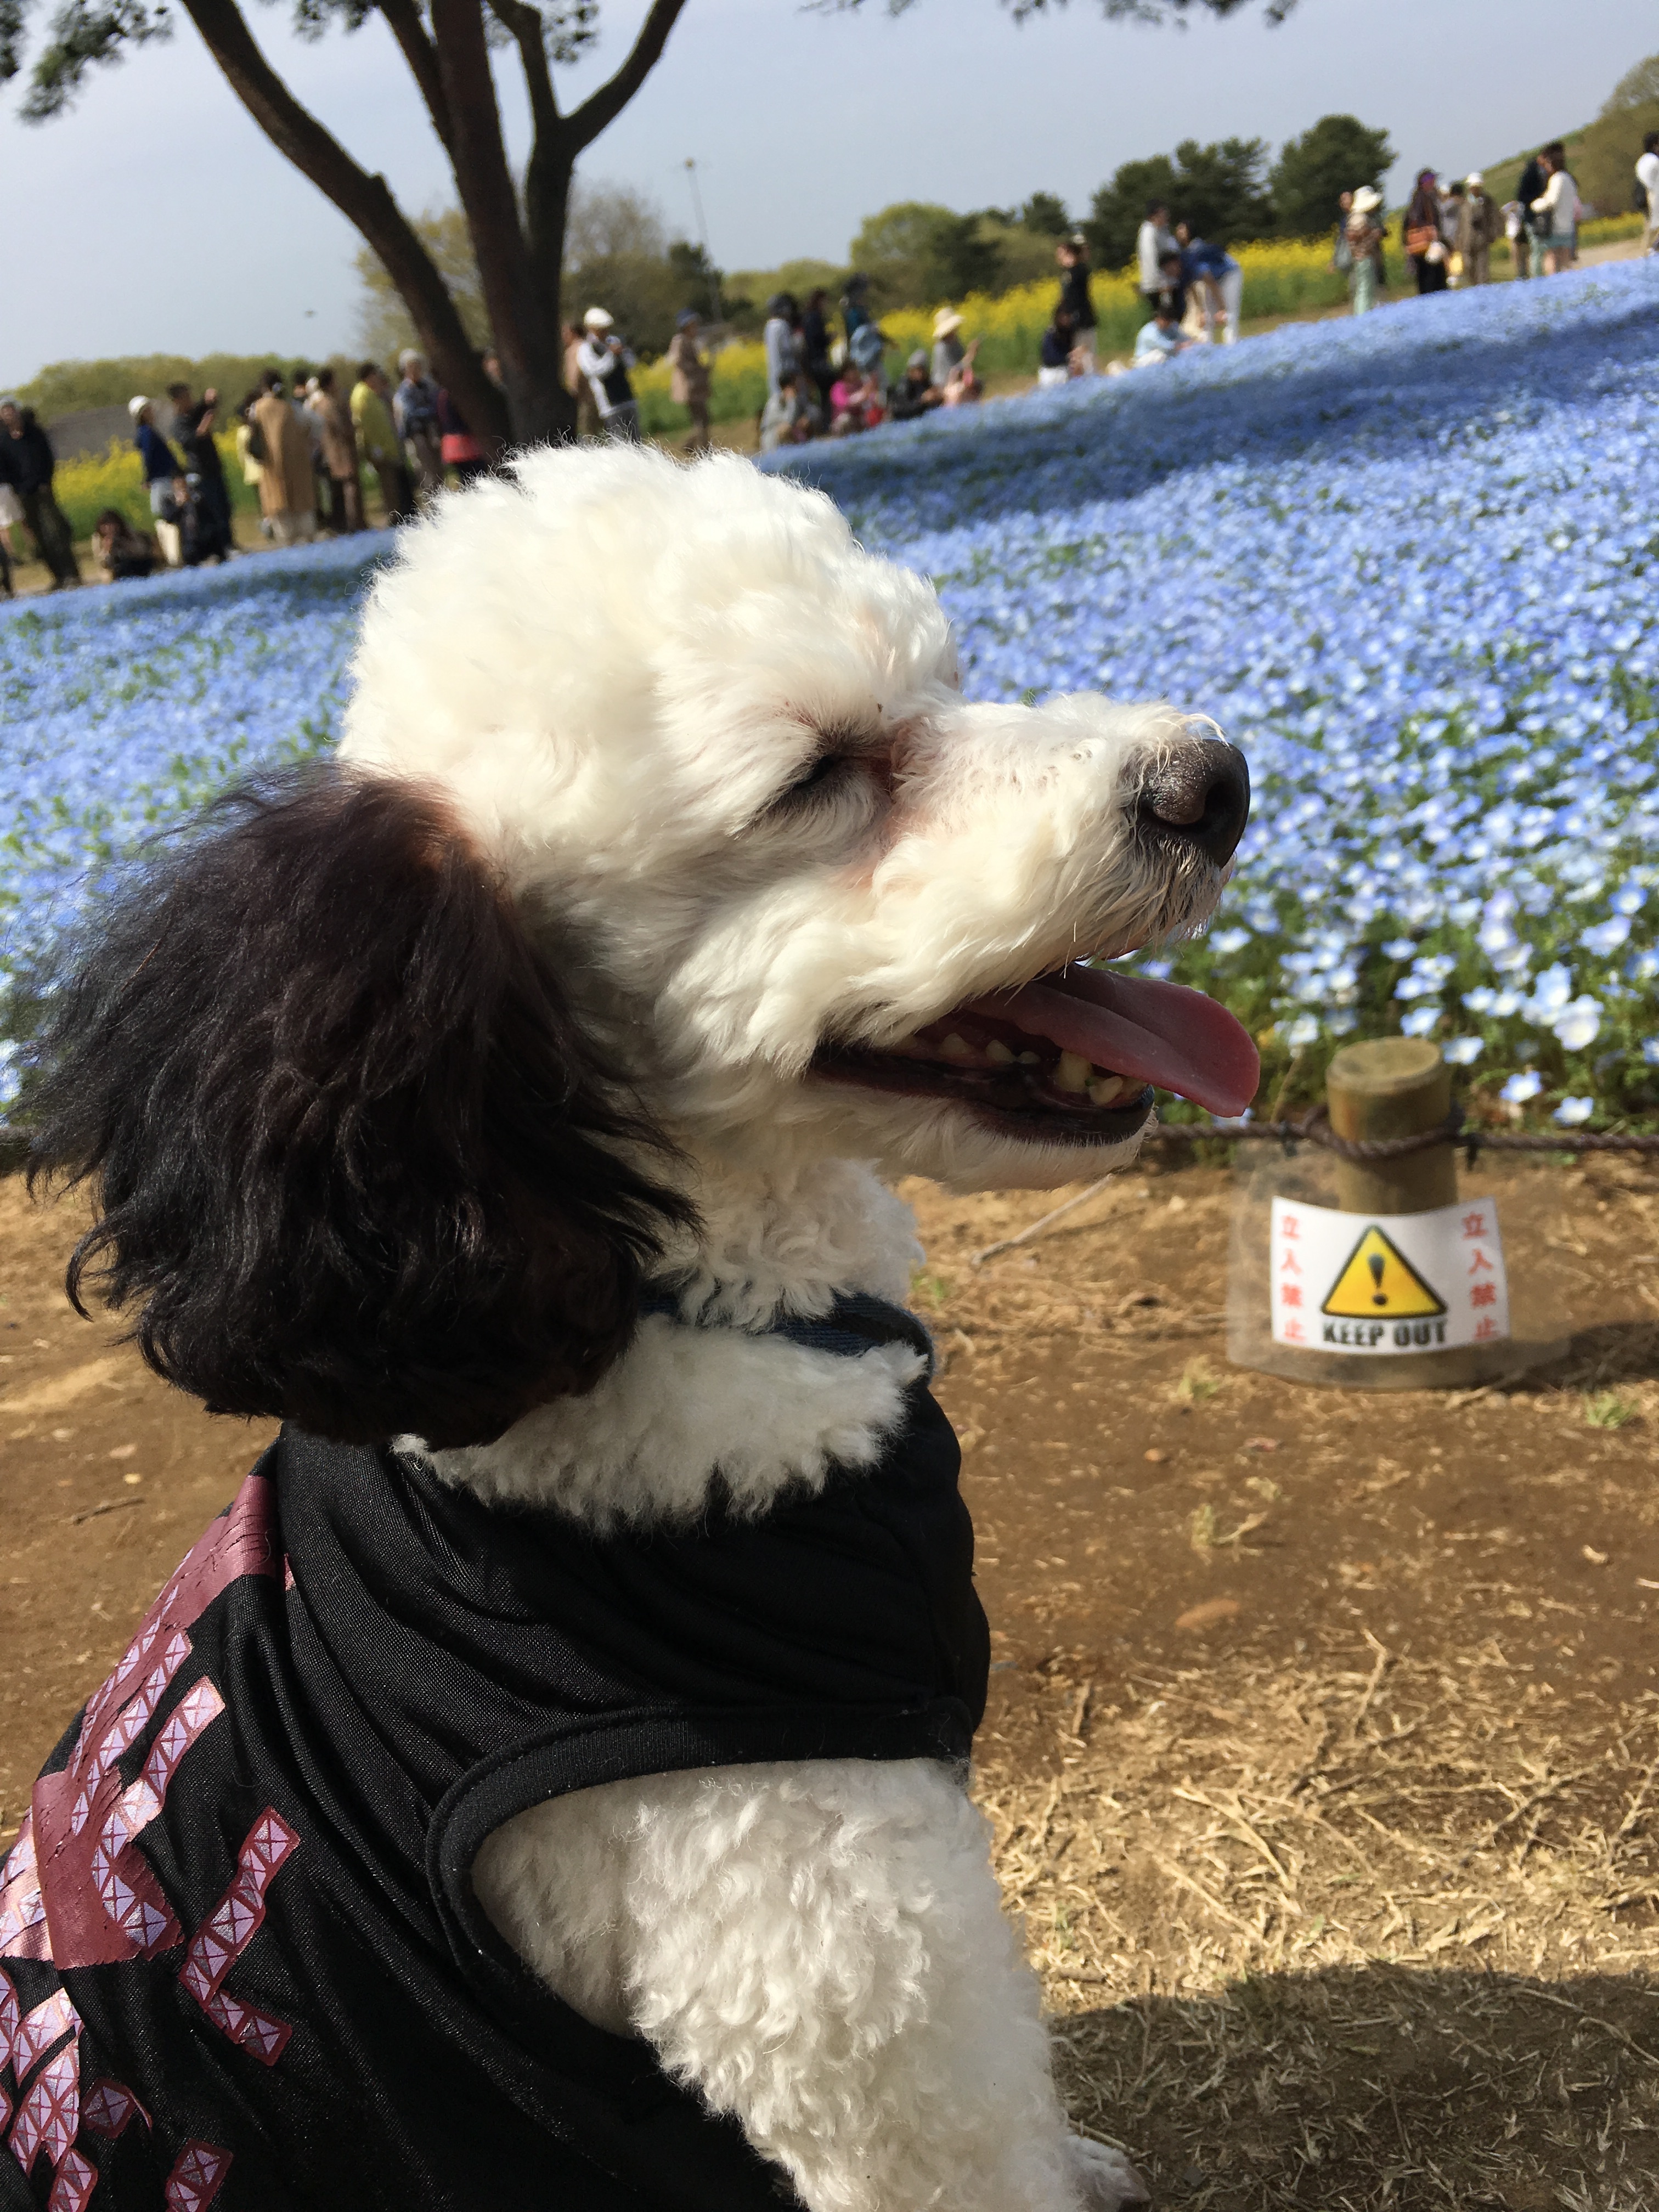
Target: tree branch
(604,107)
(530,34)
(403,21)
(364,200)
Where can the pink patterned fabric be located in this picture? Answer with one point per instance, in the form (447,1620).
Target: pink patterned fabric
(197,2178)
(11,2018)
(50,2019)
(49,2118)
(108,2107)
(226,1933)
(78,2177)
(22,1907)
(93,1899)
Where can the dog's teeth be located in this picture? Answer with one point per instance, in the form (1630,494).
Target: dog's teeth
(957,1047)
(999,1052)
(1106,1090)
(1030,1060)
(1073,1073)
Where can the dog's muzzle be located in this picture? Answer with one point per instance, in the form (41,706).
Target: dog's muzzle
(1199,796)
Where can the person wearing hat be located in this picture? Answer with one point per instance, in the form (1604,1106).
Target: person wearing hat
(1072,255)
(160,463)
(1359,248)
(604,363)
(27,464)
(688,378)
(1478,225)
(953,362)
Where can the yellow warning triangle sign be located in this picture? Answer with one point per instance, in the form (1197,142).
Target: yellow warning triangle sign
(1378,1283)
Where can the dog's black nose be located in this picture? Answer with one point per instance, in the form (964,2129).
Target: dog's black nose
(1201,794)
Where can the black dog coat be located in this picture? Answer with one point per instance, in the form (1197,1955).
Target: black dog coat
(242,1962)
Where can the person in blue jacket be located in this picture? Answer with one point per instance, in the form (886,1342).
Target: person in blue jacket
(161,463)
(1220,279)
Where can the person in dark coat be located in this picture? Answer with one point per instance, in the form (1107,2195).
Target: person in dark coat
(123,553)
(1072,255)
(160,462)
(1534,178)
(1420,235)
(29,462)
(816,342)
(193,421)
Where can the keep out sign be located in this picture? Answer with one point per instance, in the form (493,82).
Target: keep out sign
(1377,1285)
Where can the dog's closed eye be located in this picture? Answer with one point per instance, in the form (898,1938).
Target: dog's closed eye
(850,766)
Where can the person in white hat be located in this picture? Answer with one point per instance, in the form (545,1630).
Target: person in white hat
(604,363)
(161,463)
(953,362)
(1359,248)
(1479,221)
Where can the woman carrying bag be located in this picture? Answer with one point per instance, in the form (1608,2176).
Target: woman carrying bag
(1555,212)
(1419,233)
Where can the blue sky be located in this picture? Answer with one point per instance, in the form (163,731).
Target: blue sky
(156,217)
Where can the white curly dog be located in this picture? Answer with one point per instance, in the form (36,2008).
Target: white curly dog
(692,710)
(829,920)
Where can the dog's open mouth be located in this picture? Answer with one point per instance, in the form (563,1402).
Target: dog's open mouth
(1071,1058)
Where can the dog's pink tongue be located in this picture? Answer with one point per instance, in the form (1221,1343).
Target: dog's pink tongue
(1162,1032)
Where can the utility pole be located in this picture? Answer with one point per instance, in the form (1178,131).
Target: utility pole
(703,240)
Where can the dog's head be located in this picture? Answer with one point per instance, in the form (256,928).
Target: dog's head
(823,903)
(658,811)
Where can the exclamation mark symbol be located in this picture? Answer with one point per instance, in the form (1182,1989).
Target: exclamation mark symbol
(1374,1261)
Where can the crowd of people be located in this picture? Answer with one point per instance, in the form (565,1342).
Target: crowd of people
(304,452)
(823,383)
(1452,225)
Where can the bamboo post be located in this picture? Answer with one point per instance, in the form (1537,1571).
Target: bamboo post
(1392,1087)
(1387,1087)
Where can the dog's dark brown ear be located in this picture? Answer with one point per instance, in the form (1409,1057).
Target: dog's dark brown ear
(357,1165)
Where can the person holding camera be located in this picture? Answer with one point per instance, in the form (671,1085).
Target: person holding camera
(604,363)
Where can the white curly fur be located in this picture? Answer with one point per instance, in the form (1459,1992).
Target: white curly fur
(612,666)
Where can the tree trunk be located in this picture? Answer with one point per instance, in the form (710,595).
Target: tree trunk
(524,317)
(519,259)
(366,203)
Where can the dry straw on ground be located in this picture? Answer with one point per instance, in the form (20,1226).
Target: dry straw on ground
(1354,1937)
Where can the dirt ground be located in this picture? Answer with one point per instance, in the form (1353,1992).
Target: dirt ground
(1324,1727)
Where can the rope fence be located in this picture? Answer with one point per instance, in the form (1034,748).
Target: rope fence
(1313,1128)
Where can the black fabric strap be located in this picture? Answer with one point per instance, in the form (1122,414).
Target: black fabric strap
(853,1323)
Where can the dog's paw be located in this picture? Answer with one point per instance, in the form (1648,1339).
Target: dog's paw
(1106,2179)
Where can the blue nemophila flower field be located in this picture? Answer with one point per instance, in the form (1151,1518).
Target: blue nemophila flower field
(1411,564)
(122,710)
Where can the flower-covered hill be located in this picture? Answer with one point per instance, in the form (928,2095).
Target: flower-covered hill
(122,710)
(1410,562)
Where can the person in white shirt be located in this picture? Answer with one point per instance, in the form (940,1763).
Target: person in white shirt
(1160,340)
(604,361)
(1152,241)
(1558,204)
(1647,173)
